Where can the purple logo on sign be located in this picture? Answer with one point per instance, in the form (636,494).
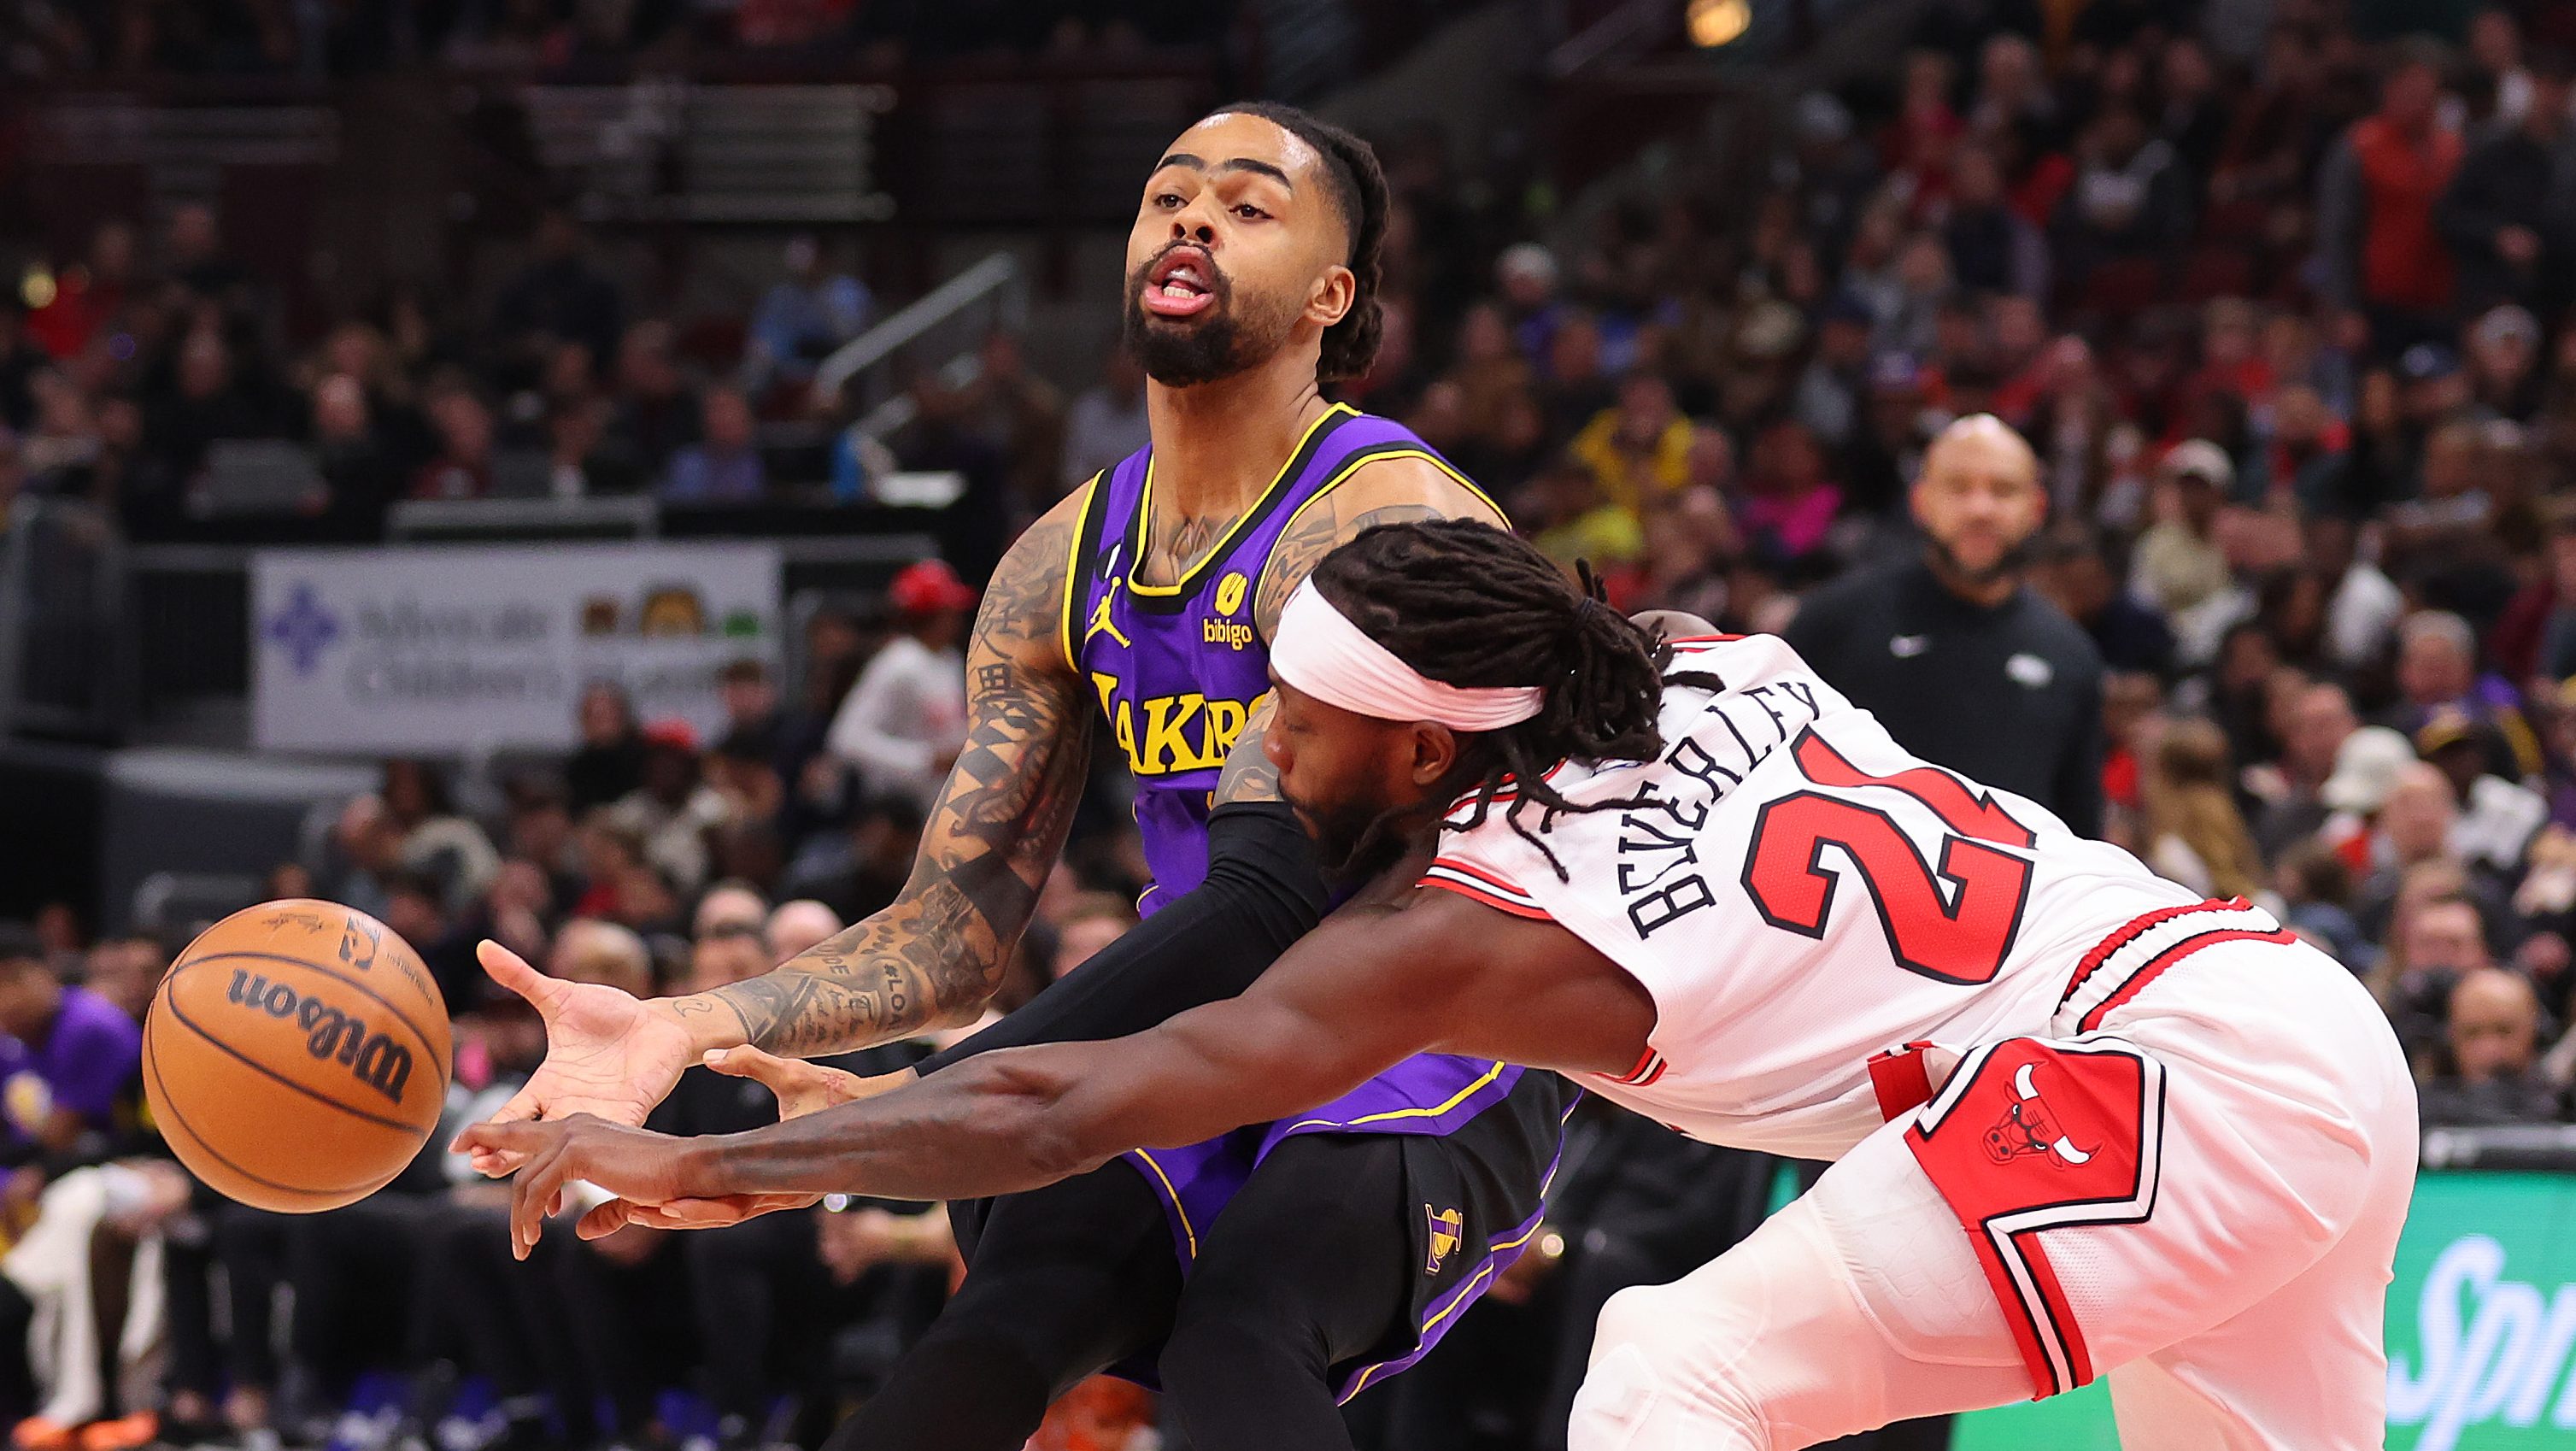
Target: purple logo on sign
(304,629)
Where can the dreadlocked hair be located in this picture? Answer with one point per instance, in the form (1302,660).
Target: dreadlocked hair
(1470,605)
(1359,191)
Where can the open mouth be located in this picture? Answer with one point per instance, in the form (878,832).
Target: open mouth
(1182,284)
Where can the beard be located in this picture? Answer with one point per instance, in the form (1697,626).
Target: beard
(2014,559)
(1216,343)
(1356,840)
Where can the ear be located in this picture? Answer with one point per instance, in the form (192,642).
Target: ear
(1333,296)
(1435,751)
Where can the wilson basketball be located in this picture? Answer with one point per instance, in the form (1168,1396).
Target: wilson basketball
(296,1056)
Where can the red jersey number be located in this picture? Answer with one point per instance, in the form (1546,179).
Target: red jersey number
(1957,935)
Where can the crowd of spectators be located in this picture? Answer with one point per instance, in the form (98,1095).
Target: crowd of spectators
(42,39)
(2282,309)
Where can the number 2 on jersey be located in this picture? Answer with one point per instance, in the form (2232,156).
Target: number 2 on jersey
(1960,938)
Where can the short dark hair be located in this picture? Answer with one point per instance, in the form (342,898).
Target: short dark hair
(20,944)
(1360,195)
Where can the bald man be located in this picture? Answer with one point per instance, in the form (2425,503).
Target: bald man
(2494,1041)
(1964,664)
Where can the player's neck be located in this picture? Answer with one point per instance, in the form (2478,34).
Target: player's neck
(1217,445)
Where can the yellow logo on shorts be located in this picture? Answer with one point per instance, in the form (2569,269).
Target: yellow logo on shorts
(1229,593)
(1446,1226)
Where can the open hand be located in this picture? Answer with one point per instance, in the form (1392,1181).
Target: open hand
(608,1054)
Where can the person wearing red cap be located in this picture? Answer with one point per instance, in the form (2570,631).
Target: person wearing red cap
(902,724)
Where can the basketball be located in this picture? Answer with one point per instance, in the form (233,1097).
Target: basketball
(296,1056)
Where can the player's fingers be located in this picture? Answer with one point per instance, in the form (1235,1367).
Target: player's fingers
(511,971)
(500,1136)
(747,1062)
(536,1186)
(606,1219)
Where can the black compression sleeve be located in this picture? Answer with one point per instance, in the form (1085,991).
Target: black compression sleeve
(1263,891)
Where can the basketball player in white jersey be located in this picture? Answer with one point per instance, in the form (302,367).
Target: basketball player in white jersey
(2084,1124)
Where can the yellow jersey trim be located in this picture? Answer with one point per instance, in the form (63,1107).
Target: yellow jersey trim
(1455,1099)
(1191,577)
(1174,1196)
(1073,573)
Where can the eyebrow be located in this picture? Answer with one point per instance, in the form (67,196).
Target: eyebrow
(1236,163)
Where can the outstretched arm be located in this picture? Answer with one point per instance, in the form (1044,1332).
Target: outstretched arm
(928,960)
(933,956)
(1360,993)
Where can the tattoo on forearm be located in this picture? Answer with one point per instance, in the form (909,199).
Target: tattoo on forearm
(939,950)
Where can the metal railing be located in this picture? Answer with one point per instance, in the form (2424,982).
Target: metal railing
(955,314)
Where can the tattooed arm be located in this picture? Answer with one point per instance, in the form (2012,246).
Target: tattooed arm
(1387,491)
(933,956)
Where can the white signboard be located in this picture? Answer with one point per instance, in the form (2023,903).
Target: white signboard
(441,650)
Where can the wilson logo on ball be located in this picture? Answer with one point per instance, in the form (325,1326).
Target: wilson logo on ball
(372,1058)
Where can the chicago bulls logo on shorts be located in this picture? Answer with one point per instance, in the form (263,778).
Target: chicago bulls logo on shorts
(2031,1135)
(2027,1128)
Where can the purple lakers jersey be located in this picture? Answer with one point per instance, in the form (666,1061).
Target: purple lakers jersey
(1178,668)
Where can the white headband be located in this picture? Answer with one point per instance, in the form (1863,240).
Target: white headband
(1323,654)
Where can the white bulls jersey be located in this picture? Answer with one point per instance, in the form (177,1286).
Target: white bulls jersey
(1798,893)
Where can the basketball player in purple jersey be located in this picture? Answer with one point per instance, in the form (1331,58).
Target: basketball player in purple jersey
(1353,1234)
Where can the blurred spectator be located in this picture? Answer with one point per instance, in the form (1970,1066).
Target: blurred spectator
(671,810)
(2437,674)
(1962,662)
(1089,923)
(2493,1044)
(724,465)
(1639,451)
(905,720)
(2509,213)
(2295,806)
(559,295)
(800,925)
(2130,201)
(610,760)
(449,848)
(804,317)
(752,716)
(462,468)
(655,414)
(1106,422)
(1791,501)
(126,971)
(2178,564)
(2438,944)
(728,906)
(2193,833)
(1022,416)
(2381,259)
(68,1085)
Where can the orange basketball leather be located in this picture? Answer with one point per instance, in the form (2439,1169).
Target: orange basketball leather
(297,1056)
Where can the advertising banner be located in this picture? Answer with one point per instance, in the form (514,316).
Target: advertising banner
(2481,1330)
(445,650)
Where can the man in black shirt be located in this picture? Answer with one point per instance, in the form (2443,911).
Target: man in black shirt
(1967,666)
(1961,661)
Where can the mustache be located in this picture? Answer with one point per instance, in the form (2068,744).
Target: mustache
(2014,559)
(1141,275)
